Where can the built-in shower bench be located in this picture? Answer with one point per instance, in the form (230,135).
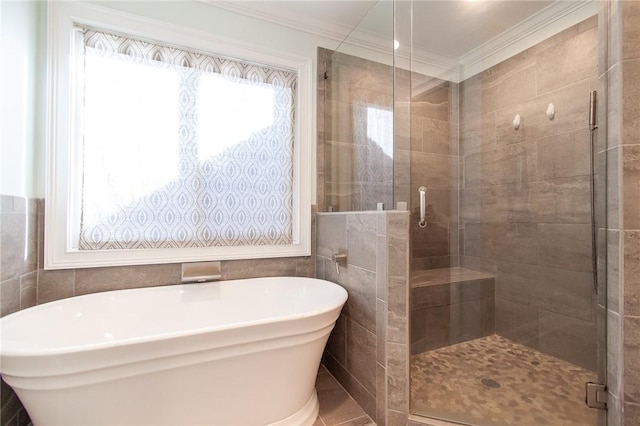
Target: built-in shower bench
(450,305)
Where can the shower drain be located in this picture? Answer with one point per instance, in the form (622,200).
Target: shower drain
(490,383)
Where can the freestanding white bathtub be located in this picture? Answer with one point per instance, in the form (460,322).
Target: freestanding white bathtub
(243,352)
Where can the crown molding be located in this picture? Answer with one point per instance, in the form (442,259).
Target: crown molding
(540,26)
(535,29)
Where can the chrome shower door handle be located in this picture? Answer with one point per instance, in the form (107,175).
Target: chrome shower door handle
(423,207)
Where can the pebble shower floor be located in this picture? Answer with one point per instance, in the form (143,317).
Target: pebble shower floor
(493,381)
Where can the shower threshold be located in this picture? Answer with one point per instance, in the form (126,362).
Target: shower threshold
(492,381)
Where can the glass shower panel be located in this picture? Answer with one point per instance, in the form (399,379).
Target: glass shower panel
(505,315)
(358,120)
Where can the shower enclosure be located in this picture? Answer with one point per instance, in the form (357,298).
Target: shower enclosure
(479,119)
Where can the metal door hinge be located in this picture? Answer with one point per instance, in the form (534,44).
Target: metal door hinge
(596,396)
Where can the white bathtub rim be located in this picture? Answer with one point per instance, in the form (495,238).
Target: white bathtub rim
(32,378)
(155,337)
(76,362)
(29,352)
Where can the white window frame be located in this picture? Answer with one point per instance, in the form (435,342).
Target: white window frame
(62,169)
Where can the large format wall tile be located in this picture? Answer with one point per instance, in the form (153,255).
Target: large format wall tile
(9,296)
(517,321)
(573,100)
(433,104)
(568,338)
(556,290)
(564,63)
(18,236)
(512,89)
(514,242)
(614,189)
(361,355)
(631,357)
(621,41)
(631,178)
(509,164)
(354,171)
(436,137)
(525,195)
(564,200)
(361,240)
(565,246)
(614,245)
(337,343)
(477,131)
(338,123)
(631,244)
(339,168)
(631,28)
(29,290)
(398,377)
(375,311)
(55,285)
(630,105)
(450,313)
(255,268)
(19,250)
(563,155)
(332,234)
(94,280)
(434,163)
(431,241)
(361,286)
(434,170)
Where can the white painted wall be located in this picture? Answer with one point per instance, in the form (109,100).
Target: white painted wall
(21,77)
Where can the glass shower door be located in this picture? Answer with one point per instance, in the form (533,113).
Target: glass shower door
(358,118)
(506,317)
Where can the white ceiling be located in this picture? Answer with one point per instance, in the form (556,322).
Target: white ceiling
(438,31)
(457,27)
(330,18)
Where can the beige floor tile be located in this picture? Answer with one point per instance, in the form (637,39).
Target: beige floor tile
(336,405)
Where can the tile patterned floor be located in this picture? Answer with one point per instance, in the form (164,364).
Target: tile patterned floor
(534,389)
(337,407)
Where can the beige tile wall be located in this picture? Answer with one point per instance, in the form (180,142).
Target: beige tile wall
(429,113)
(444,313)
(525,194)
(19,219)
(354,173)
(368,349)
(620,143)
(18,253)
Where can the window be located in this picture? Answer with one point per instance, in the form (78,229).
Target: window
(171,153)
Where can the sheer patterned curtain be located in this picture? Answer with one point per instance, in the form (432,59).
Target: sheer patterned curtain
(181,148)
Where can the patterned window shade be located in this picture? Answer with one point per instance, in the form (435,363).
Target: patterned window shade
(182,149)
